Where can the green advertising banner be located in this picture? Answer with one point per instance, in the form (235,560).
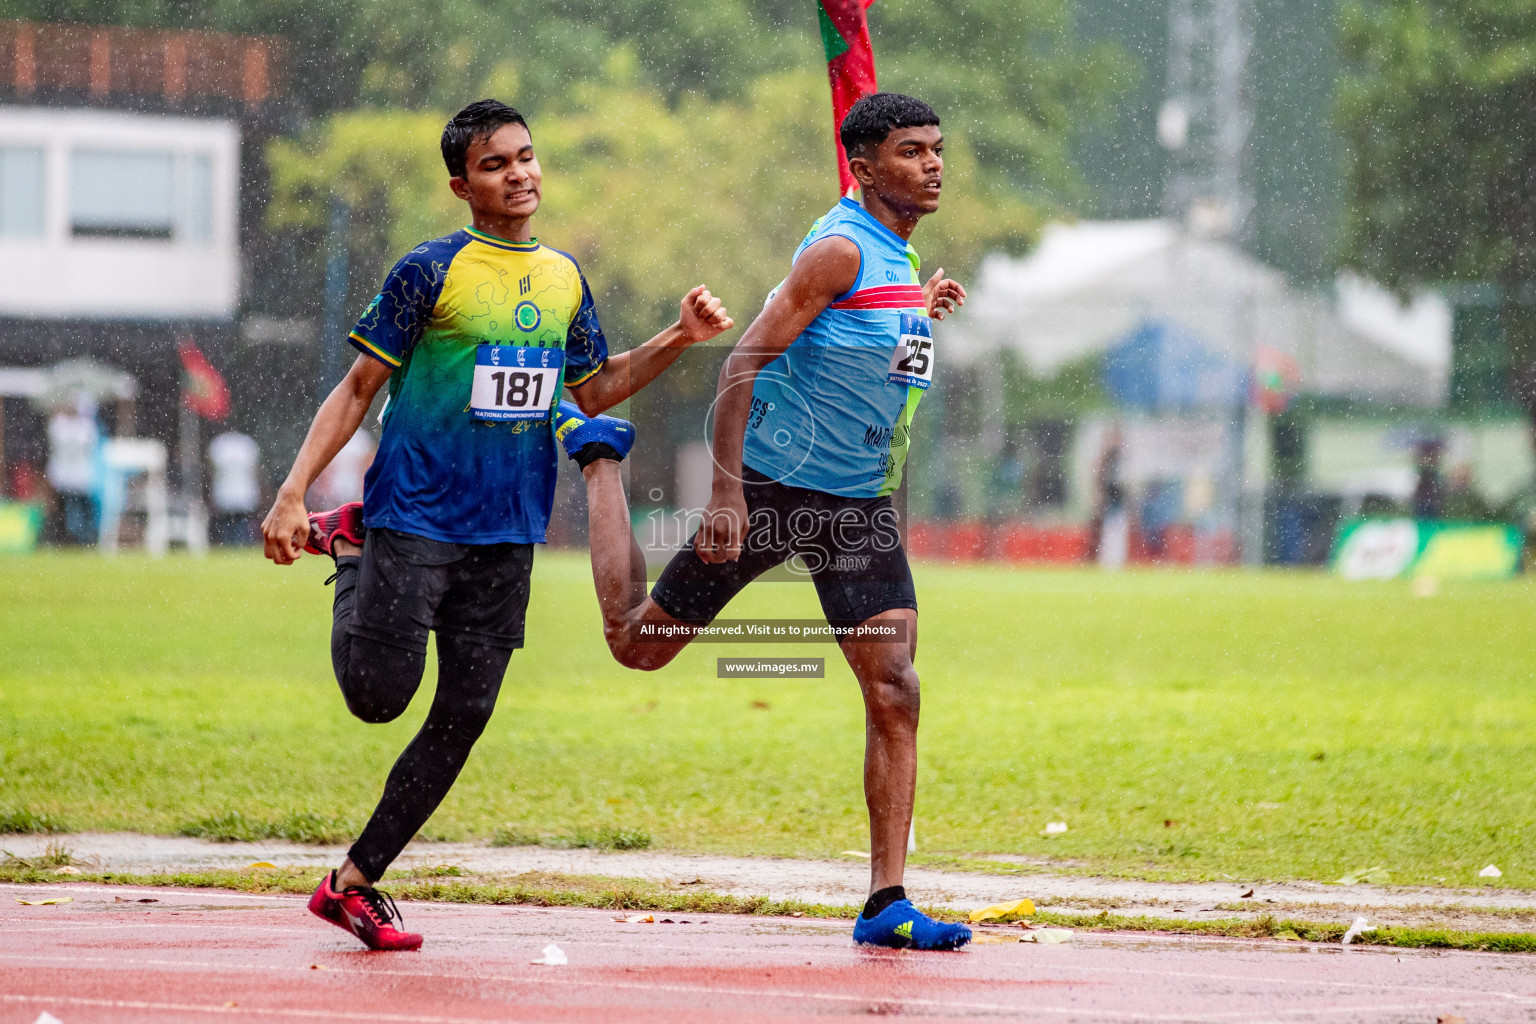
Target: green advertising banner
(19,526)
(1382,549)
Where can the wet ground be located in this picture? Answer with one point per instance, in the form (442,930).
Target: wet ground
(195,955)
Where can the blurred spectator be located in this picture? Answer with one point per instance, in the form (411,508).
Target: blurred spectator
(1111,520)
(236,493)
(27,484)
(1428,496)
(1007,481)
(74,442)
(342,480)
(1160,509)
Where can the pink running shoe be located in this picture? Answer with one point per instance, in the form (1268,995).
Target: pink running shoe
(363,911)
(345,522)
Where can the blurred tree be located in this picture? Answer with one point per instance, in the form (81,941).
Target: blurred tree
(1010,74)
(1008,71)
(1439,109)
(384,163)
(651,198)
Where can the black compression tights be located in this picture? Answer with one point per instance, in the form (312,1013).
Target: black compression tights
(378,682)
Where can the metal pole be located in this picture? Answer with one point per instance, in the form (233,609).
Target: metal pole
(333,331)
(189,456)
(1206,120)
(1255,461)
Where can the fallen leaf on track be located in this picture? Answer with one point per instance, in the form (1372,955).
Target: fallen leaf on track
(1000,911)
(45,903)
(1047,936)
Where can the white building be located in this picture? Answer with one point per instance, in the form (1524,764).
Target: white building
(109,214)
(1196,455)
(1088,285)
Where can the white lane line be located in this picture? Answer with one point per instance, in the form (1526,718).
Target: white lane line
(162,891)
(133,1004)
(108,926)
(550,978)
(1353,1012)
(1284,983)
(1290,982)
(1064,1011)
(847,954)
(841,952)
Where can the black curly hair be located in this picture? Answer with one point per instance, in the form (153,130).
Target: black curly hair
(875,116)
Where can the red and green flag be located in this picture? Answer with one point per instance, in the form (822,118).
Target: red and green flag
(850,67)
(1276,377)
(203,388)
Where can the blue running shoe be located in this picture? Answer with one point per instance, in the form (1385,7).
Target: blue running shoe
(903,926)
(575,430)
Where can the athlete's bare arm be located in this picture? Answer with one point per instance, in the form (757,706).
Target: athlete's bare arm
(287,525)
(824,271)
(700,318)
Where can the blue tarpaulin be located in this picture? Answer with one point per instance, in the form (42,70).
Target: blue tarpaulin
(1161,366)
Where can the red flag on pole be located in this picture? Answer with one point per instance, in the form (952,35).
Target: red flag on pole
(203,388)
(850,67)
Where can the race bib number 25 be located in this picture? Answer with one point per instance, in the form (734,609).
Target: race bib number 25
(912,362)
(515,383)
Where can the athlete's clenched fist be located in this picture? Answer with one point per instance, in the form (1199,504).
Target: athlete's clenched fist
(703,315)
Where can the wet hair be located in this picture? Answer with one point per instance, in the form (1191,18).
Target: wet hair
(476,122)
(874,117)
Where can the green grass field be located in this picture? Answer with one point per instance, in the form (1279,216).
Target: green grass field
(1185,725)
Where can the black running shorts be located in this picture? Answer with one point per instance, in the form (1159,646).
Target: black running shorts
(409,585)
(850,548)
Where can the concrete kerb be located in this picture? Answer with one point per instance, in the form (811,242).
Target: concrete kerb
(841,883)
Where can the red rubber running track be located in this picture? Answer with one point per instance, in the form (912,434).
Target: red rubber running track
(200,955)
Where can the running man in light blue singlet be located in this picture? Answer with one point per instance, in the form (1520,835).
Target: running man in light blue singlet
(834,411)
(810,435)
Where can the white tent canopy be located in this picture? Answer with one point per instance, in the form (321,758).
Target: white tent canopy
(1089,284)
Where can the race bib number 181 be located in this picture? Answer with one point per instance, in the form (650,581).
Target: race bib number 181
(912,362)
(515,383)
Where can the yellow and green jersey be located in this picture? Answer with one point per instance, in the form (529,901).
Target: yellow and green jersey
(447,467)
